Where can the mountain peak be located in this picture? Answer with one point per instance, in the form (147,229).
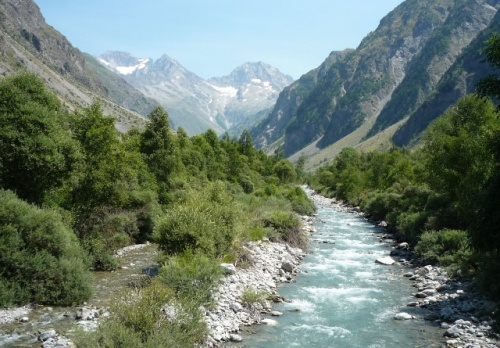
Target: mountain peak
(122,62)
(254,72)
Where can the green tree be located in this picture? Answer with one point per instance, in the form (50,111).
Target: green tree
(490,85)
(37,152)
(41,260)
(285,171)
(456,153)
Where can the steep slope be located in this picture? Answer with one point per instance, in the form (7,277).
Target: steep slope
(390,74)
(27,42)
(196,104)
(464,22)
(272,128)
(459,80)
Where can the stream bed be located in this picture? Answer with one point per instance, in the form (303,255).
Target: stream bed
(342,298)
(134,263)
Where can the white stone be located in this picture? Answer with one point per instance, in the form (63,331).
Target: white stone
(269,322)
(386,260)
(403,316)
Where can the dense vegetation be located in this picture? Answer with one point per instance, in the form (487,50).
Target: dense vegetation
(73,190)
(443,197)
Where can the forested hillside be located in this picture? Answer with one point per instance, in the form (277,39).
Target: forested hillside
(442,198)
(73,189)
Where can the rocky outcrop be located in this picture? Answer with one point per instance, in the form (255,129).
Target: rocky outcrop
(386,79)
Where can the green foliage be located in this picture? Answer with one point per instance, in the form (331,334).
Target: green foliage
(116,189)
(285,171)
(40,258)
(490,85)
(287,225)
(202,221)
(191,276)
(150,317)
(456,153)
(301,204)
(113,195)
(37,152)
(448,247)
(251,296)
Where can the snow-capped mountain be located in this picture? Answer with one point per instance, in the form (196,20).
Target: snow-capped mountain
(197,104)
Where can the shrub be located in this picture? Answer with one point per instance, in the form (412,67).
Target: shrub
(287,225)
(411,225)
(202,221)
(301,204)
(40,258)
(379,205)
(251,296)
(191,276)
(150,317)
(450,248)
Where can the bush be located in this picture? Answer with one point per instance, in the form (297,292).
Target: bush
(191,276)
(251,296)
(450,248)
(301,204)
(202,221)
(40,258)
(287,225)
(380,204)
(149,317)
(411,225)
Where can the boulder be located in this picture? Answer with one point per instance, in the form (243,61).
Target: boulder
(44,336)
(235,338)
(269,322)
(386,260)
(403,316)
(287,267)
(228,268)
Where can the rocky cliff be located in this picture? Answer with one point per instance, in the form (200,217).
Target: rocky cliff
(395,69)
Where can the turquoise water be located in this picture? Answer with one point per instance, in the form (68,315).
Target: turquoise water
(343,298)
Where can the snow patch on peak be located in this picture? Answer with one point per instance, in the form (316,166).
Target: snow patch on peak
(229,91)
(127,70)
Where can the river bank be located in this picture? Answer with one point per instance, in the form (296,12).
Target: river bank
(246,293)
(454,305)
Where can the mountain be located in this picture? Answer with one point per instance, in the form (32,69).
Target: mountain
(197,104)
(27,42)
(369,92)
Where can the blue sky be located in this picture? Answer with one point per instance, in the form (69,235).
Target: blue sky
(212,37)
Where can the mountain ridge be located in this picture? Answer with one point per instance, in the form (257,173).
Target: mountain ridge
(362,92)
(197,104)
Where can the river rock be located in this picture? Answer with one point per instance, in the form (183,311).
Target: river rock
(44,336)
(386,260)
(403,316)
(235,338)
(84,313)
(228,268)
(446,312)
(276,314)
(269,322)
(287,267)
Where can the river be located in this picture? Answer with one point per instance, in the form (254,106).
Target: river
(342,298)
